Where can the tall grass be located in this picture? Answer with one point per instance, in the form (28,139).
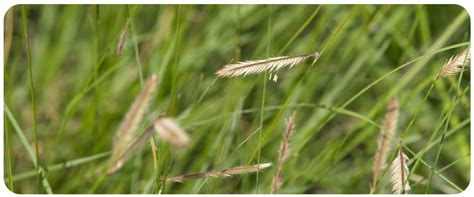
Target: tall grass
(32,91)
(67,91)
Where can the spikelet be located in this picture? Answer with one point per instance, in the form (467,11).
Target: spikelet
(169,130)
(454,64)
(385,141)
(284,149)
(223,173)
(133,117)
(399,173)
(130,150)
(122,39)
(258,66)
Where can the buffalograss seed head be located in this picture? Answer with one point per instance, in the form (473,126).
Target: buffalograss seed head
(169,130)
(259,66)
(284,151)
(399,172)
(223,173)
(385,141)
(132,119)
(122,39)
(454,65)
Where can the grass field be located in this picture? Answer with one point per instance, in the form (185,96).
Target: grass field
(66,92)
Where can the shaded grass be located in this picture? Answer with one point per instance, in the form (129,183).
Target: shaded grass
(7,150)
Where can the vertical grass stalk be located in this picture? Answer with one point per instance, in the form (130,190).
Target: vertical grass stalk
(32,89)
(135,44)
(262,106)
(7,150)
(443,135)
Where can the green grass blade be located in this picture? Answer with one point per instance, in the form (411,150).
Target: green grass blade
(7,151)
(61,166)
(24,141)
(32,87)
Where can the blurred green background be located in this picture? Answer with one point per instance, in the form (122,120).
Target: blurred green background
(82,91)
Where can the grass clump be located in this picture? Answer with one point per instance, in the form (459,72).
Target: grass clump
(67,65)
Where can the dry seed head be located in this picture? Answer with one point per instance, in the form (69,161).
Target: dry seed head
(246,169)
(122,39)
(285,144)
(385,140)
(223,173)
(399,174)
(132,119)
(454,64)
(130,150)
(258,66)
(284,150)
(170,131)
(134,116)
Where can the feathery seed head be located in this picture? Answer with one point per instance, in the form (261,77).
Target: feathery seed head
(223,173)
(385,140)
(454,64)
(122,146)
(122,39)
(246,169)
(284,151)
(170,131)
(259,66)
(133,117)
(399,175)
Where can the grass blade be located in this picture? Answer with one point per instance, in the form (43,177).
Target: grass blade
(32,86)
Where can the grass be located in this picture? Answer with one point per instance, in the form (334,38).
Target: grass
(32,92)
(66,92)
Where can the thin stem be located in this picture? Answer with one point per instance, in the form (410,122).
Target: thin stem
(435,171)
(412,121)
(32,89)
(61,166)
(298,32)
(443,135)
(156,160)
(29,149)
(140,76)
(98,182)
(402,166)
(173,98)
(135,44)
(8,147)
(262,106)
